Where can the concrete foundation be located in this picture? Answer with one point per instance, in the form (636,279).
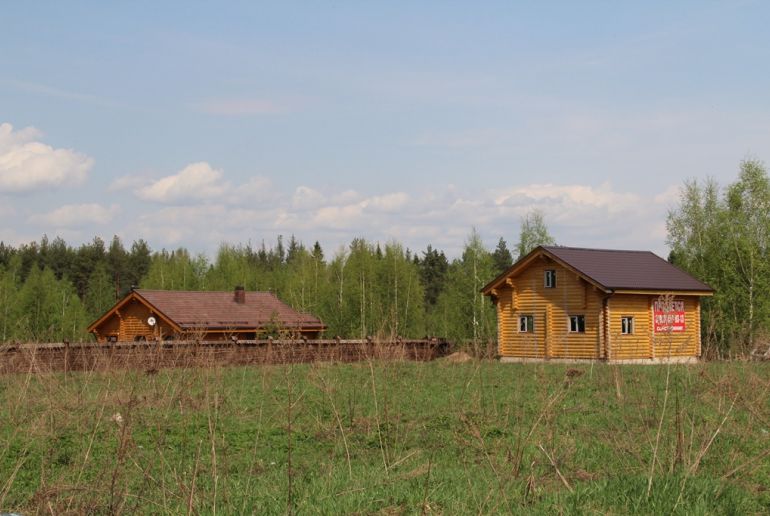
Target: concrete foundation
(639,361)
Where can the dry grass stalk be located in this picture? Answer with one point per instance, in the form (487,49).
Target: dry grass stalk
(377,414)
(701,454)
(327,390)
(191,495)
(556,468)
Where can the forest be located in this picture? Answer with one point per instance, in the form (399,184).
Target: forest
(51,291)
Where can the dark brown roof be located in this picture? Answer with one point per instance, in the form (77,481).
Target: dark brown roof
(627,270)
(219,310)
(616,269)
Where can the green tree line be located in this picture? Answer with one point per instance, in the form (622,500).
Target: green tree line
(721,235)
(50,291)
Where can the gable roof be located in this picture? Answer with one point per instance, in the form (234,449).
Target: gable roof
(613,270)
(189,310)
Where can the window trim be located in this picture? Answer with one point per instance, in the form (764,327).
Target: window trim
(627,330)
(549,274)
(580,323)
(529,323)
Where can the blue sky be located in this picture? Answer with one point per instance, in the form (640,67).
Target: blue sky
(194,124)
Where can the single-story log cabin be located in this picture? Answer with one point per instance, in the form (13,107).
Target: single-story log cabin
(167,315)
(575,303)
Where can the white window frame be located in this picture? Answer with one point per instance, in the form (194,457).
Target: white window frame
(576,319)
(627,325)
(549,279)
(529,323)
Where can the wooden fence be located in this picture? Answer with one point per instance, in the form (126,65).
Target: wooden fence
(151,356)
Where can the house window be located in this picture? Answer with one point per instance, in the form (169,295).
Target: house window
(526,324)
(626,325)
(577,323)
(550,278)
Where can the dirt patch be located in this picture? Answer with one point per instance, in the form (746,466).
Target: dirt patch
(458,357)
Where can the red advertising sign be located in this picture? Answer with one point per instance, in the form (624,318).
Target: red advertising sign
(669,316)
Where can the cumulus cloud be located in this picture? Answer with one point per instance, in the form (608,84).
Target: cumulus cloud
(576,214)
(255,189)
(307,198)
(204,224)
(195,182)
(669,196)
(76,215)
(27,165)
(127,183)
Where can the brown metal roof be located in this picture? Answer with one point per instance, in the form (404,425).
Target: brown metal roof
(627,270)
(219,310)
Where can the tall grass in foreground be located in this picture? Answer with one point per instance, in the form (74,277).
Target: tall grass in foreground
(389,437)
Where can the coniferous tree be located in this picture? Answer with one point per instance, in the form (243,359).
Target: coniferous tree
(60,258)
(87,257)
(138,263)
(433,269)
(6,252)
(117,267)
(502,256)
(294,249)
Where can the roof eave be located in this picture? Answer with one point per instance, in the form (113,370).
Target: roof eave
(681,292)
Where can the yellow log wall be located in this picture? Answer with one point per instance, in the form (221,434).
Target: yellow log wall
(687,343)
(639,343)
(130,322)
(644,342)
(551,338)
(526,294)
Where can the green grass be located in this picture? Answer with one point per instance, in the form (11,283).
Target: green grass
(390,438)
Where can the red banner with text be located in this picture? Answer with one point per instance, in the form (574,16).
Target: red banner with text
(669,316)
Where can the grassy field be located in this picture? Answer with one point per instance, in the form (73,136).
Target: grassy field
(390,438)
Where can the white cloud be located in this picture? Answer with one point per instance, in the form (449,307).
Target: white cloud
(27,165)
(255,189)
(669,196)
(387,203)
(576,214)
(76,215)
(530,196)
(195,182)
(305,198)
(128,183)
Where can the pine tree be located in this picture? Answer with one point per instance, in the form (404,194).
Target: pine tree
(117,267)
(138,263)
(433,269)
(502,256)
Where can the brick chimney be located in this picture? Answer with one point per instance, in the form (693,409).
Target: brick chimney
(239,295)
